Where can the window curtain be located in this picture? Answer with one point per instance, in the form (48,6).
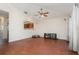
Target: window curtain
(73,28)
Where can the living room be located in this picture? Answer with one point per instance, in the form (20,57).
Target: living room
(49,18)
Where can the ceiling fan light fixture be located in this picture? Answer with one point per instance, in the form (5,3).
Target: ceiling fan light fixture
(42,16)
(43,13)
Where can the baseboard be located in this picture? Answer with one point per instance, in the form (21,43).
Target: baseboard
(31,37)
(18,40)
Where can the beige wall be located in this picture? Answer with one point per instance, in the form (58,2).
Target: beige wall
(57,25)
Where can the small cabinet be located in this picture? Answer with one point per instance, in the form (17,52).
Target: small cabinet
(50,35)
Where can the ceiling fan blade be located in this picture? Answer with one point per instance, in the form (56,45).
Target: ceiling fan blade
(46,12)
(45,15)
(41,13)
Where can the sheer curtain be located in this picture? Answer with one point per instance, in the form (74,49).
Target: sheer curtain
(73,28)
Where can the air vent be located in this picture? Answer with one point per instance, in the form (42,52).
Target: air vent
(25,12)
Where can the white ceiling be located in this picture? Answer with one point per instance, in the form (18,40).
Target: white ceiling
(55,9)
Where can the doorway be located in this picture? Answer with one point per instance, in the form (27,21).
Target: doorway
(4,31)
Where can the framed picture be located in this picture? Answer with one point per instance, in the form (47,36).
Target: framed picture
(28,25)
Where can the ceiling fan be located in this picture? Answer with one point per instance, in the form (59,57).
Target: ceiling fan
(43,13)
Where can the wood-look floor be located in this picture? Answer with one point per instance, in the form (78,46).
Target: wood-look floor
(37,46)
